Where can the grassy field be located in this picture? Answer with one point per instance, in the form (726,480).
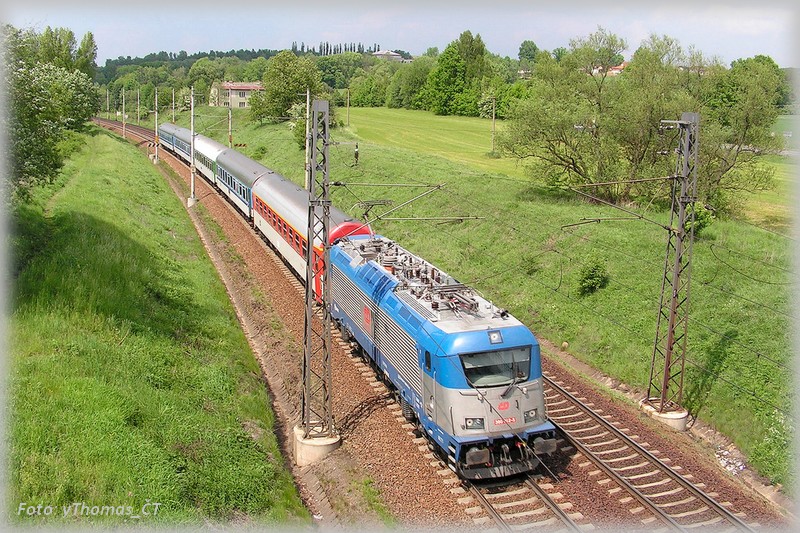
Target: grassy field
(775,209)
(523,255)
(131,382)
(787,126)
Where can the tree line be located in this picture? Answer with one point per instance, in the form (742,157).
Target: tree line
(578,115)
(573,113)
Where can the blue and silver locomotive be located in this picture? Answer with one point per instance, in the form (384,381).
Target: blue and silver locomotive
(466,371)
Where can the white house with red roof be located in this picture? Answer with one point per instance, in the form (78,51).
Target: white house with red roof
(233,93)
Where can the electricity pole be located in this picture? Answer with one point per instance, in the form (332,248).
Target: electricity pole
(155,128)
(316,435)
(665,392)
(137,106)
(108,109)
(123,113)
(230,128)
(191,201)
(494,105)
(308,142)
(173,105)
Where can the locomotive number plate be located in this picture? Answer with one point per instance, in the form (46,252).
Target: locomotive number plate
(509,420)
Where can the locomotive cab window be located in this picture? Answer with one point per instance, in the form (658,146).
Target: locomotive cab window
(498,368)
(427,361)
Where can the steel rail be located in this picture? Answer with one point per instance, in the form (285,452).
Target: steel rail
(663,467)
(488,507)
(554,507)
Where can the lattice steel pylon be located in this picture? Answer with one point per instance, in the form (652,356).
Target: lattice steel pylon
(665,391)
(317,414)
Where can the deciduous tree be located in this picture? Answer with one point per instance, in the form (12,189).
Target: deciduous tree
(86,56)
(578,125)
(445,82)
(285,82)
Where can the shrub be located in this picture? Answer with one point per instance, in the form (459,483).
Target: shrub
(593,275)
(703,217)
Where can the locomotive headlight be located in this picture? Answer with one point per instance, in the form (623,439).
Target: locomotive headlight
(531,415)
(474,423)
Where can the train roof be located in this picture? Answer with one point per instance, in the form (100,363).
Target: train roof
(208,147)
(242,167)
(291,202)
(181,133)
(432,293)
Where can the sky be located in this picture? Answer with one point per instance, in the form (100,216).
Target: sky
(727,30)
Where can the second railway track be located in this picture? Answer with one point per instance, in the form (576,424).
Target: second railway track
(669,499)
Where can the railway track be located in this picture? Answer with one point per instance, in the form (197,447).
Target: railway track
(146,134)
(523,505)
(671,501)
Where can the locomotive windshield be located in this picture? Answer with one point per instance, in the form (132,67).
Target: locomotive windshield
(494,369)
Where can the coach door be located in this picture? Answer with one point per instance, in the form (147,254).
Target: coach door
(429,386)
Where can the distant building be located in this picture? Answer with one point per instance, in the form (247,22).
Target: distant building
(613,71)
(388,54)
(233,93)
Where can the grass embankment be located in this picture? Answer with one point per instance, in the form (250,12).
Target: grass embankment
(131,381)
(521,256)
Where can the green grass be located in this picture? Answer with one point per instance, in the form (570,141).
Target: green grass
(130,378)
(787,125)
(522,255)
(371,496)
(463,140)
(774,209)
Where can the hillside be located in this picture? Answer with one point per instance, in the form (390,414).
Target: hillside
(130,381)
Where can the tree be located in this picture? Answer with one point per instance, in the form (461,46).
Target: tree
(408,82)
(454,86)
(564,127)
(254,70)
(57,47)
(578,125)
(205,72)
(740,111)
(285,82)
(45,99)
(528,51)
(368,88)
(445,82)
(33,156)
(337,70)
(558,53)
(647,92)
(259,107)
(86,56)
(472,52)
